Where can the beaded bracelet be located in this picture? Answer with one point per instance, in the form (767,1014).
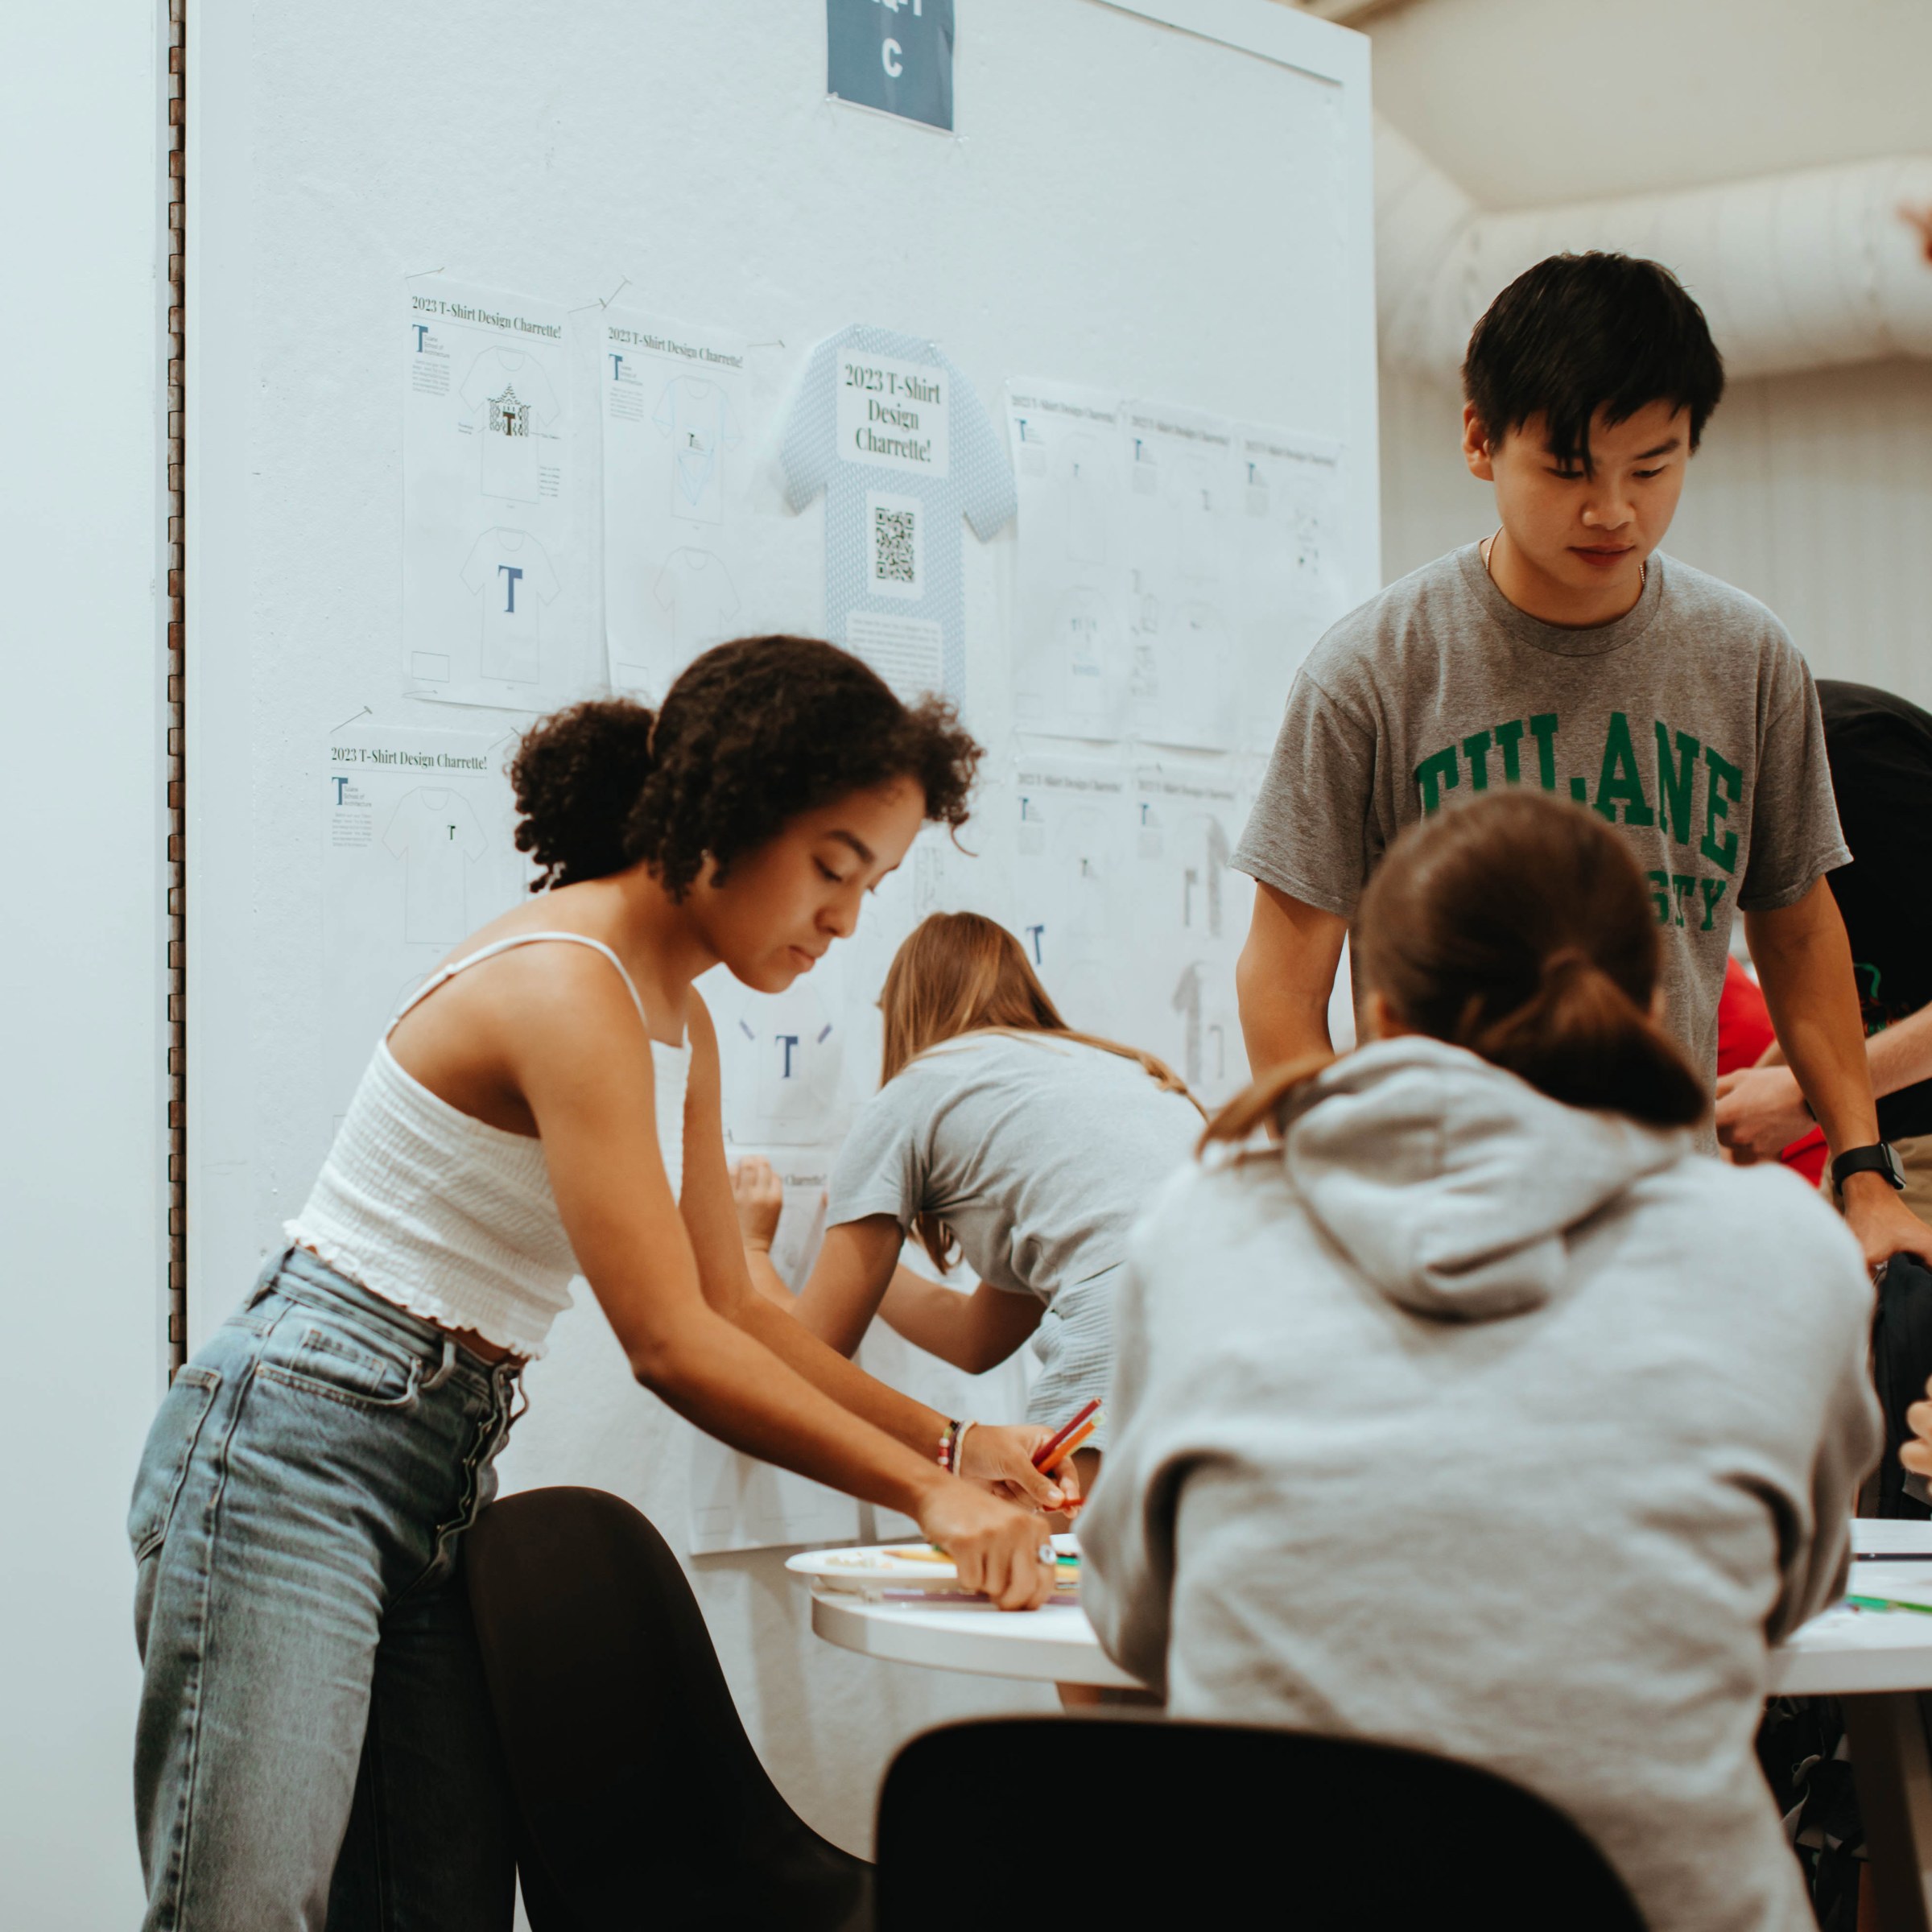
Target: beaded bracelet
(948,1442)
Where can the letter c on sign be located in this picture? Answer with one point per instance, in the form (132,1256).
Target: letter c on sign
(889,56)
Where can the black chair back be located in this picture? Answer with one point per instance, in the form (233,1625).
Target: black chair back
(1128,1820)
(640,1800)
(1901,1359)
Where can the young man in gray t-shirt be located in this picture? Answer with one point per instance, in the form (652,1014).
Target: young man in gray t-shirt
(1567,651)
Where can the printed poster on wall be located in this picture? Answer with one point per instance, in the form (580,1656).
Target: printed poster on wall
(677,558)
(487,567)
(418,850)
(900,444)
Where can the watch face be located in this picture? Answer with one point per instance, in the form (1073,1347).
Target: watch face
(1895,1168)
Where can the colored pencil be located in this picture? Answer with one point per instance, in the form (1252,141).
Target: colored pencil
(1049,1451)
(1075,1441)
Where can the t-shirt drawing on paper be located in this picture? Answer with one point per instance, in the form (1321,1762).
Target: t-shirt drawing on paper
(435,833)
(1086,467)
(785,1060)
(509,573)
(1690,723)
(695,589)
(696,416)
(511,403)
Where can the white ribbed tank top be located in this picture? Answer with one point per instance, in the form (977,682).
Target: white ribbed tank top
(448,1216)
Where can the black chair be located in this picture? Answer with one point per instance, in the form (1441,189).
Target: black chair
(1128,1820)
(1901,1359)
(640,1801)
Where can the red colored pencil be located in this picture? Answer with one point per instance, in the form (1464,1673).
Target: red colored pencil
(1051,1451)
(1075,1441)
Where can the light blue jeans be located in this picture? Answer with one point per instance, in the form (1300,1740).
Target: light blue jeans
(315,1749)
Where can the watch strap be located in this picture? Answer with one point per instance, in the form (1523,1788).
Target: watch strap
(1878,1158)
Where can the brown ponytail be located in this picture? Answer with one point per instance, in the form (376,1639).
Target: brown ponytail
(1519,927)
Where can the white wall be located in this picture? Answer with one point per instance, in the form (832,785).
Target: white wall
(82,1211)
(1813,493)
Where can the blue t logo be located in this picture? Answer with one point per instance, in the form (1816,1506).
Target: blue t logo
(787,1041)
(422,330)
(514,576)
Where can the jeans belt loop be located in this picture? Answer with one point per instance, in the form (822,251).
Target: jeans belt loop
(445,1369)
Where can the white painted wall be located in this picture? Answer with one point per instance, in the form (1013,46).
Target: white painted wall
(82,1150)
(1813,493)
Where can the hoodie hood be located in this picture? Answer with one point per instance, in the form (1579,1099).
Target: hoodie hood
(1451,1184)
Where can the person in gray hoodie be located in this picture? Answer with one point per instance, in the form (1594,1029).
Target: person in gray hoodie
(1474,1411)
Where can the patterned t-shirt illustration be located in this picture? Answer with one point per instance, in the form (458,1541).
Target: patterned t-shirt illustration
(511,404)
(896,437)
(510,574)
(435,833)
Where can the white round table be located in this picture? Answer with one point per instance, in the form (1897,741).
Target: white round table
(1876,1661)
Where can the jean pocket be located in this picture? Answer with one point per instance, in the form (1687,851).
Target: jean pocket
(170,1443)
(316,1358)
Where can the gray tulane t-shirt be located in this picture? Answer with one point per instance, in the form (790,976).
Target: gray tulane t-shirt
(1040,1153)
(1690,723)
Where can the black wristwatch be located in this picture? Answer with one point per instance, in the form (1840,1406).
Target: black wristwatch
(1879,1157)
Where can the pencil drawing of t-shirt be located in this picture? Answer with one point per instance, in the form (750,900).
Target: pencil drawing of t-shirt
(1087,468)
(697,417)
(511,403)
(509,573)
(1192,489)
(695,589)
(435,834)
(881,458)
(1690,724)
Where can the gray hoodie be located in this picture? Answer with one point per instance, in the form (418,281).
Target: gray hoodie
(1465,1420)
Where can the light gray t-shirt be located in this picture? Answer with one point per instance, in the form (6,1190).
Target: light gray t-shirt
(1690,723)
(1040,1153)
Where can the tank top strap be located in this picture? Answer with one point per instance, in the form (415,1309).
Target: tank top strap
(520,938)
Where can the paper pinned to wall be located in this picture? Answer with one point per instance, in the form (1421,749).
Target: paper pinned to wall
(738,1502)
(1072,825)
(1183,576)
(418,852)
(898,440)
(1194,909)
(1070,659)
(487,550)
(677,558)
(1293,582)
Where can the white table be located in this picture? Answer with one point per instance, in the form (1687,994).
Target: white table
(1877,1661)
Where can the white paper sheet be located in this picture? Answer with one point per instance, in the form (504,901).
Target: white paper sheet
(1070,659)
(1193,910)
(1292,586)
(676,412)
(1072,827)
(1183,613)
(488,590)
(418,852)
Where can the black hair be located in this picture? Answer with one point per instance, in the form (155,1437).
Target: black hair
(750,736)
(1579,333)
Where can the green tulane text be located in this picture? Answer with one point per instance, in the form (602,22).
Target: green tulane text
(1694,783)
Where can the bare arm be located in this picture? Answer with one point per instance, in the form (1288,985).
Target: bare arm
(855,1266)
(1284,978)
(1804,964)
(975,1331)
(1761,1109)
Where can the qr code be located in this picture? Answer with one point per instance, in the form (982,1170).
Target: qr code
(893,555)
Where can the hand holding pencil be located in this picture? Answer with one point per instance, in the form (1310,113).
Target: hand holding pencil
(1013,1461)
